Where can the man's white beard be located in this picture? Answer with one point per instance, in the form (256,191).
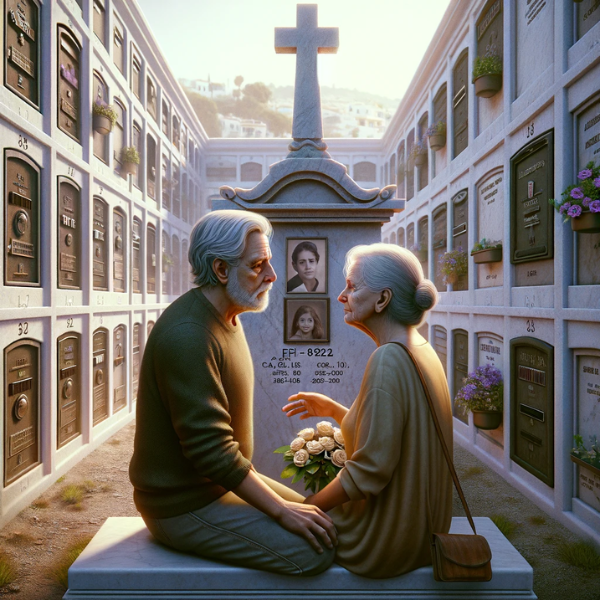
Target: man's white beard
(244,299)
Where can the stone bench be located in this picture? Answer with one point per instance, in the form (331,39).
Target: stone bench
(123,561)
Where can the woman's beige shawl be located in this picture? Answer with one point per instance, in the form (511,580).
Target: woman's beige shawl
(395,465)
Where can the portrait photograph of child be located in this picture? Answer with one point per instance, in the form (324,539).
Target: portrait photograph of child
(306,320)
(306,271)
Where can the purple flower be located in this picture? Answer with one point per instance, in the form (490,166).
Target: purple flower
(597,182)
(564,207)
(585,174)
(595,206)
(576,193)
(574,211)
(586,201)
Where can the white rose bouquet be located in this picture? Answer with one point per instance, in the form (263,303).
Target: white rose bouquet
(315,456)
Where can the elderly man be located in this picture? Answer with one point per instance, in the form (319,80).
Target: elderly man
(193,480)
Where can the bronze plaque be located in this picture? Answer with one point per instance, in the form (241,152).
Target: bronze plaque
(176,267)
(118,42)
(151,166)
(151,98)
(423,253)
(119,227)
(532,217)
(100,251)
(460,220)
(440,244)
(136,76)
(21,220)
(21,408)
(69,54)
(119,369)
(69,387)
(490,30)
(410,166)
(460,367)
(440,105)
(151,259)
(21,69)
(136,358)
(440,344)
(69,236)
(532,407)
(460,103)
(410,235)
(99,21)
(100,375)
(135,255)
(588,14)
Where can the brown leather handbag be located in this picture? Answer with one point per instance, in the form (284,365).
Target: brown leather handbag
(456,557)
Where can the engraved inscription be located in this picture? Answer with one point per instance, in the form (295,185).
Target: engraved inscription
(22,61)
(18,248)
(21,440)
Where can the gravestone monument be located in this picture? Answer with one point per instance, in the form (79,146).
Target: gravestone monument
(308,197)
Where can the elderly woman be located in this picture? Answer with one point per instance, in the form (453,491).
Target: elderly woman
(395,488)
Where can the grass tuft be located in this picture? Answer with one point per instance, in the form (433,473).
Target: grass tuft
(40,504)
(580,554)
(60,479)
(60,571)
(114,442)
(8,572)
(537,520)
(72,494)
(89,485)
(506,526)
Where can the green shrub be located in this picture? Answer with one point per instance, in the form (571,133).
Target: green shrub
(487,65)
(506,526)
(72,494)
(130,154)
(580,554)
(105,110)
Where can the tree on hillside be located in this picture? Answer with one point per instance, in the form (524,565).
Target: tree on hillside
(258,91)
(206,111)
(277,123)
(238,82)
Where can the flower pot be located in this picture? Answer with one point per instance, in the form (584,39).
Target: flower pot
(487,419)
(588,480)
(420,160)
(102,124)
(451,279)
(489,255)
(487,86)
(437,142)
(587,222)
(129,168)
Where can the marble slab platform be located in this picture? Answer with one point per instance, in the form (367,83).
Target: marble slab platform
(123,561)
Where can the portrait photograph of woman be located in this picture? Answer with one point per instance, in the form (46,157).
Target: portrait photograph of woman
(306,321)
(306,266)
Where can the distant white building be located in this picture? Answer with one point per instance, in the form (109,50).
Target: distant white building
(252,128)
(206,87)
(231,126)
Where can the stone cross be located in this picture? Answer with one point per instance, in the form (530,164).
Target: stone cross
(307,40)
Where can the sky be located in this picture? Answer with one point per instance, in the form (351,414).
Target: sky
(381,41)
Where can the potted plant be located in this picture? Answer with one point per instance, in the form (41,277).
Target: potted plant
(130,159)
(453,264)
(418,154)
(437,135)
(487,75)
(486,251)
(420,251)
(482,394)
(167,261)
(588,463)
(581,203)
(104,116)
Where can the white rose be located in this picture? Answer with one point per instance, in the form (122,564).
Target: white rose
(338,437)
(325,428)
(301,458)
(314,447)
(297,444)
(307,434)
(338,458)
(327,443)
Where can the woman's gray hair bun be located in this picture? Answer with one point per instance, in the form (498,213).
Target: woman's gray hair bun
(426,295)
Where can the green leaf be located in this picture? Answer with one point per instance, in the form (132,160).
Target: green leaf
(298,476)
(281,450)
(312,469)
(289,454)
(289,471)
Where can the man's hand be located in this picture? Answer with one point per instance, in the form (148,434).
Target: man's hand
(311,523)
(311,404)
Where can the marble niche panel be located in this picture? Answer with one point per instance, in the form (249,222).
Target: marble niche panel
(588,149)
(490,225)
(535,41)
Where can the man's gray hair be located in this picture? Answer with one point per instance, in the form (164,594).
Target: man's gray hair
(384,266)
(222,234)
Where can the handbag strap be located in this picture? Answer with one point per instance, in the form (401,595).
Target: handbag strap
(441,438)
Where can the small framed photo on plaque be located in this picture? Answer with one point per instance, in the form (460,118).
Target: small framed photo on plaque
(306,321)
(306,265)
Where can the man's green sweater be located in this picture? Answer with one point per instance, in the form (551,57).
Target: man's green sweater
(193,439)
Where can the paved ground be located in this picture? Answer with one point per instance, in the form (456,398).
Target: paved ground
(39,536)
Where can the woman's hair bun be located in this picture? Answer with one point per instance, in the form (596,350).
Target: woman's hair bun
(426,295)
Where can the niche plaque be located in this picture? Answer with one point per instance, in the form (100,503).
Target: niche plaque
(21,408)
(99,251)
(21,220)
(151,259)
(100,380)
(69,54)
(136,358)
(440,344)
(460,367)
(135,255)
(439,244)
(532,407)
(460,226)
(119,369)
(69,387)
(119,236)
(21,70)
(69,234)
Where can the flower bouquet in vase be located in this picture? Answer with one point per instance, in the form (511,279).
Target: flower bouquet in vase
(453,265)
(315,457)
(482,394)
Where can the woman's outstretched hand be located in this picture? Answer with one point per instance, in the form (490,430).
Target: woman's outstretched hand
(312,404)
